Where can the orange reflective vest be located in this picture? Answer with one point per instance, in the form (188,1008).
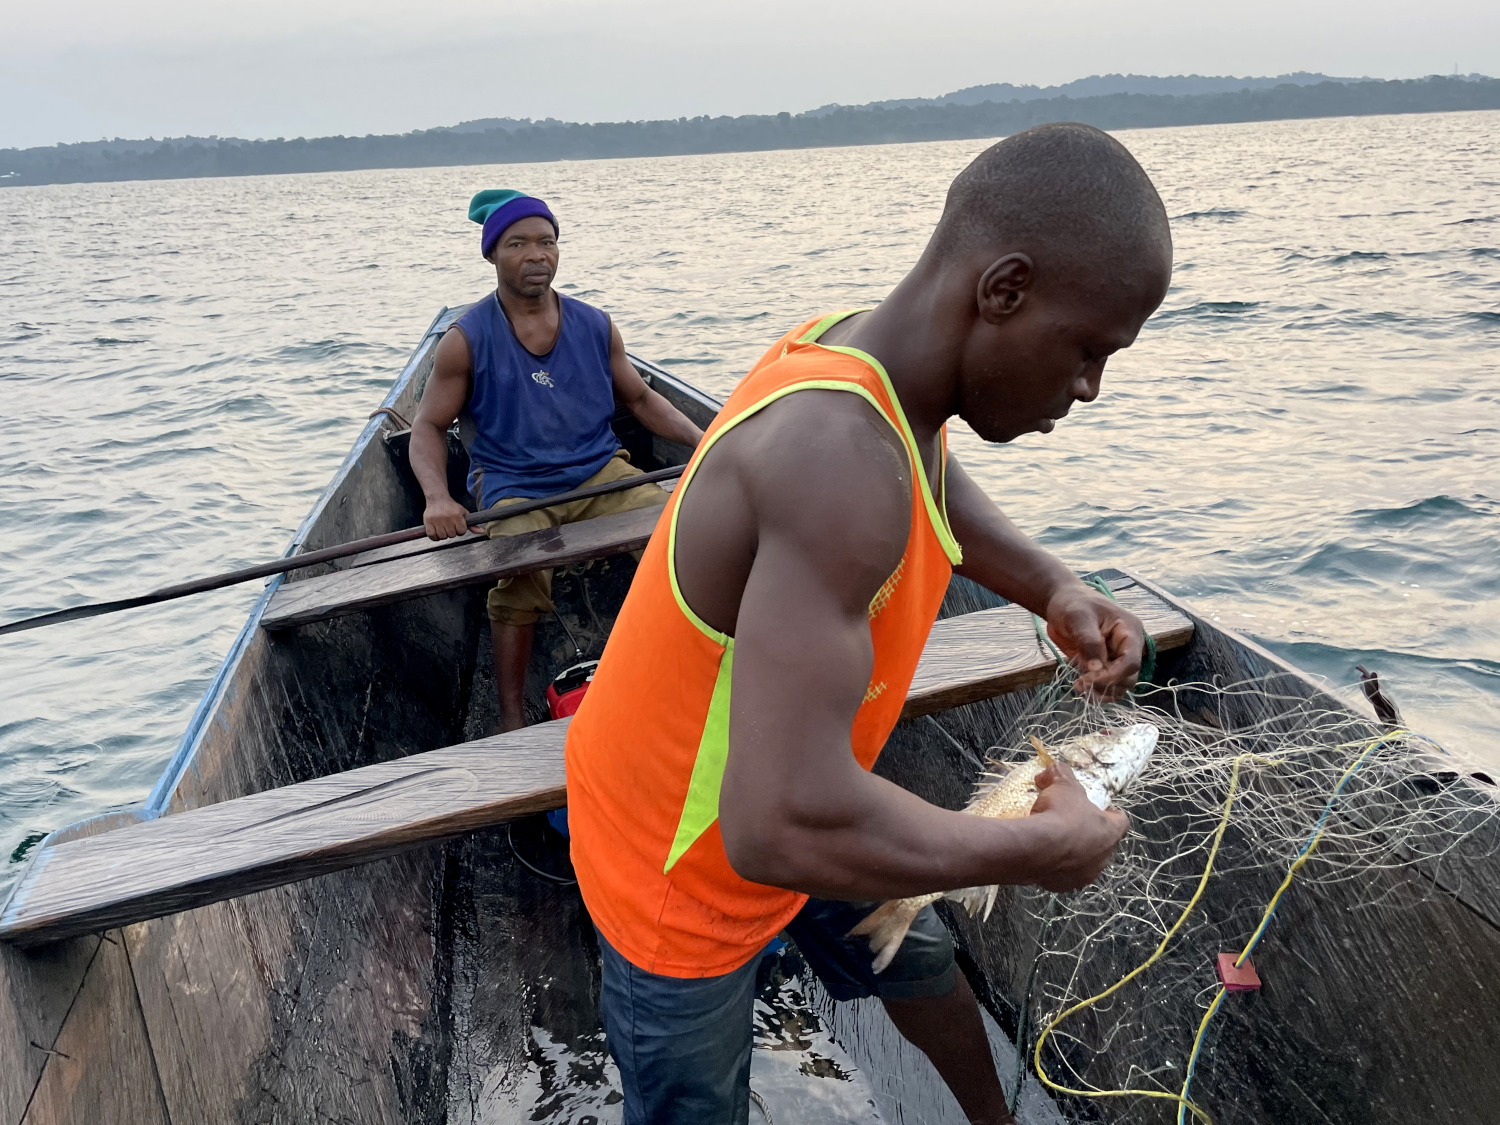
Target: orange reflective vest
(646,751)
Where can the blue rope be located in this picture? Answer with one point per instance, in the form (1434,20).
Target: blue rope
(1312,841)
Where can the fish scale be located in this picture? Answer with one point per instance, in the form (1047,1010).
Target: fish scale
(1105,763)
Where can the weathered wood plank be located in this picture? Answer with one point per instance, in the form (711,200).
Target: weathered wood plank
(283,835)
(36,990)
(474,564)
(39,988)
(321,1001)
(297,1004)
(980,655)
(407,550)
(272,838)
(101,1066)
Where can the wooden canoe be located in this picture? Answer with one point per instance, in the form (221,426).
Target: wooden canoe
(335,906)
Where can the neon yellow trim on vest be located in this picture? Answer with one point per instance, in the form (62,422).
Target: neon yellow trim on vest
(700,808)
(812,335)
(687,479)
(936,513)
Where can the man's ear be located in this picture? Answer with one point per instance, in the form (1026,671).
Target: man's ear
(1003,286)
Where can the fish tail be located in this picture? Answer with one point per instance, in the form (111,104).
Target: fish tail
(886,928)
(978,901)
(970,898)
(1042,753)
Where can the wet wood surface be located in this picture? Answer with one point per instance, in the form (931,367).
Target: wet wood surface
(473,564)
(330,823)
(100,1067)
(38,995)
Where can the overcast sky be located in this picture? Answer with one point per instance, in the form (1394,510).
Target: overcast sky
(84,69)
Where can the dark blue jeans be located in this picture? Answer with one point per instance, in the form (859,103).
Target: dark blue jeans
(683,1044)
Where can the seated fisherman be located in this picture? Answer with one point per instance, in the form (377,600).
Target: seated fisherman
(719,770)
(540,374)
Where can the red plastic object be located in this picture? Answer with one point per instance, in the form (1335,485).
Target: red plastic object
(561,706)
(1241,978)
(566,692)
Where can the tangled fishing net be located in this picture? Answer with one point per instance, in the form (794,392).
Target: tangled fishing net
(1263,821)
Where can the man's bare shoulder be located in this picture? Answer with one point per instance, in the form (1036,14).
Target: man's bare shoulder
(813,490)
(826,428)
(825,470)
(452,355)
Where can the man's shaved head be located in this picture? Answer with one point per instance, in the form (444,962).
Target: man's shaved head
(1069,196)
(1052,252)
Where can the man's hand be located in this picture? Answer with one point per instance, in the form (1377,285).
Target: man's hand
(1103,641)
(1086,835)
(445,518)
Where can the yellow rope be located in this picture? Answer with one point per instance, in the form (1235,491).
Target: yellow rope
(1181,1099)
(1218,838)
(1265,918)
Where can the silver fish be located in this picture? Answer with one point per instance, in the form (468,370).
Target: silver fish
(1104,763)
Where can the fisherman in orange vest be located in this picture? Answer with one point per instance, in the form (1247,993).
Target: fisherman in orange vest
(718,770)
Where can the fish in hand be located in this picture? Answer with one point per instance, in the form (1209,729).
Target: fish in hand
(1104,763)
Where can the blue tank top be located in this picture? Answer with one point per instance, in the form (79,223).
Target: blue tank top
(541,423)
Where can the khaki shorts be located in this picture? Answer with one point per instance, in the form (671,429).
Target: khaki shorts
(524,598)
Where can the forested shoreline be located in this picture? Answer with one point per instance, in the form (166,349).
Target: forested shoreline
(94,163)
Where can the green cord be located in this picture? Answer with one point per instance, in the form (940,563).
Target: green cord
(1148,654)
(1053,692)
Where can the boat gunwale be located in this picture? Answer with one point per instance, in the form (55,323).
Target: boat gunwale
(1201,624)
(192,738)
(683,386)
(188,745)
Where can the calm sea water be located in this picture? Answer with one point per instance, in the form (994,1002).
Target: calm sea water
(1305,441)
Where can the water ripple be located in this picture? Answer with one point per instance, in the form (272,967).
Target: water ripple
(1303,441)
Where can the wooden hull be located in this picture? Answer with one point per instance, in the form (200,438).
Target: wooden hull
(451,984)
(1380,1000)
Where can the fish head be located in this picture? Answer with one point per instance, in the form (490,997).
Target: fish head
(1109,760)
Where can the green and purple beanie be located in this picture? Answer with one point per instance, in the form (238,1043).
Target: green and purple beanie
(498,208)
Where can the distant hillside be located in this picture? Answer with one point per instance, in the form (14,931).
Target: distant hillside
(509,124)
(506,141)
(1101,85)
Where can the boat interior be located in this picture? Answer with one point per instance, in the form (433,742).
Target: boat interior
(457,982)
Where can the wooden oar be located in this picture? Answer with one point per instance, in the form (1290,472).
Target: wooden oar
(198,856)
(328,554)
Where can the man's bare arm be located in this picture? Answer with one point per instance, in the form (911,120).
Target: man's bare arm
(444,396)
(831,510)
(1104,640)
(655,413)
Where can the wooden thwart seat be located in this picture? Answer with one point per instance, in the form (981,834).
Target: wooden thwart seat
(268,839)
(366,584)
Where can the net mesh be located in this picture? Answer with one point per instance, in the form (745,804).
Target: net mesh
(1374,812)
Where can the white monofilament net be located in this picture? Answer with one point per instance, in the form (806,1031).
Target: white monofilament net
(1374,815)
